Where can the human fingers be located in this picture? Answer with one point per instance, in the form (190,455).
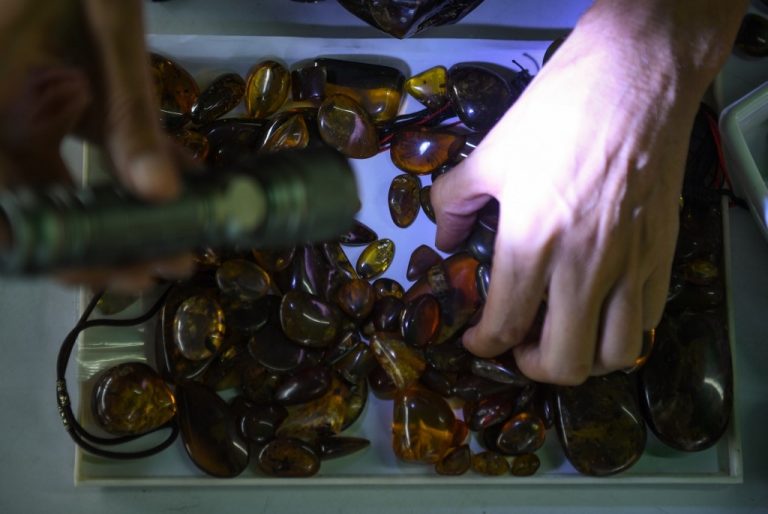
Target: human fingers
(134,138)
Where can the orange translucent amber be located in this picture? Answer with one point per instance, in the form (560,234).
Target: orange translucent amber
(423,426)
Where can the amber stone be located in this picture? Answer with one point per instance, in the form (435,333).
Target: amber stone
(422,151)
(287,457)
(308,320)
(483,280)
(175,88)
(472,388)
(523,433)
(525,465)
(687,383)
(112,303)
(490,463)
(323,416)
(198,327)
(438,381)
(701,272)
(222,373)
(221,96)
(403,199)
(346,342)
(258,423)
(359,235)
(449,357)
(258,383)
(600,425)
(403,363)
(339,446)
(289,132)
(339,260)
(274,260)
(308,83)
(501,369)
(307,273)
(649,340)
(488,411)
(420,320)
(210,431)
(232,141)
(375,258)
(131,399)
(381,383)
(387,287)
(356,298)
(243,279)
(345,126)
(480,95)
(430,87)
(422,258)
(377,88)
(272,349)
(267,87)
(303,386)
(752,38)
(426,203)
(195,143)
(423,426)
(542,405)
(456,462)
(357,363)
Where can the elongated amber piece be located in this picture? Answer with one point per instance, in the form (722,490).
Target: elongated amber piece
(198,327)
(175,88)
(488,411)
(403,198)
(404,364)
(345,126)
(267,88)
(286,457)
(420,320)
(490,463)
(375,259)
(243,279)
(131,398)
(422,427)
(430,87)
(308,320)
(289,132)
(221,96)
(422,151)
(456,462)
(338,446)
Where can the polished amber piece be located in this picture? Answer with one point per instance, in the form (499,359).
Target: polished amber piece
(258,383)
(456,462)
(337,446)
(426,203)
(274,260)
(472,388)
(272,349)
(198,327)
(422,151)
(430,87)
(523,433)
(358,398)
(345,126)
(175,88)
(243,279)
(196,143)
(339,260)
(449,357)
(687,383)
(233,141)
(490,463)
(357,363)
(308,272)
(422,258)
(502,369)
(387,287)
(221,96)
(289,132)
(387,313)
(480,95)
(404,364)
(381,383)
(375,258)
(267,87)
(422,427)
(308,83)
(525,465)
(322,416)
(303,386)
(131,399)
(308,320)
(209,431)
(483,280)
(356,298)
(359,235)
(257,423)
(438,381)
(377,88)
(420,320)
(112,303)
(600,425)
(488,411)
(403,199)
(287,457)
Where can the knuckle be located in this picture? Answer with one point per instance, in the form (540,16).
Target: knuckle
(565,373)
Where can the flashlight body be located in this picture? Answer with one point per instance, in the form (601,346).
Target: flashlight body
(275,201)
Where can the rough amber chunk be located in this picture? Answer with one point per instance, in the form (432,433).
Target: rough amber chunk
(430,87)
(421,320)
(481,96)
(490,463)
(131,398)
(523,433)
(356,298)
(359,235)
(198,327)
(456,462)
(243,279)
(209,430)
(308,320)
(221,96)
(375,258)
(423,426)
(345,126)
(267,87)
(525,465)
(377,88)
(388,287)
(403,199)
(422,258)
(286,457)
(404,364)
(422,151)
(426,203)
(289,132)
(175,88)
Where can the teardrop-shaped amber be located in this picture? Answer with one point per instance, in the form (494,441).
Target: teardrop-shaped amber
(307,273)
(403,198)
(131,398)
(523,433)
(243,279)
(426,203)
(339,260)
(289,132)
(490,463)
(481,96)
(387,313)
(375,258)
(403,363)
(456,462)
(359,235)
(422,258)
(345,126)
(287,457)
(356,298)
(175,88)
(421,320)
(267,88)
(335,447)
(430,87)
(422,151)
(422,427)
(198,327)
(308,320)
(210,432)
(221,96)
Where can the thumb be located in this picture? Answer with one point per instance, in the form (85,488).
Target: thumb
(456,197)
(133,136)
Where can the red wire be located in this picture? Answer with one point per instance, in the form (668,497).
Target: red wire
(719,146)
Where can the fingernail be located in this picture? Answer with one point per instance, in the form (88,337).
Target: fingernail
(154,177)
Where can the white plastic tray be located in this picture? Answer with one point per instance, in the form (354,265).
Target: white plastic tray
(103,348)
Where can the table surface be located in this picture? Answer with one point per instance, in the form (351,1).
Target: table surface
(36,456)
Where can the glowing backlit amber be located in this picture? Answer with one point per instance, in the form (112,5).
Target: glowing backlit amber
(267,88)
(345,126)
(220,97)
(430,87)
(421,152)
(198,327)
(422,427)
(404,364)
(324,415)
(375,259)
